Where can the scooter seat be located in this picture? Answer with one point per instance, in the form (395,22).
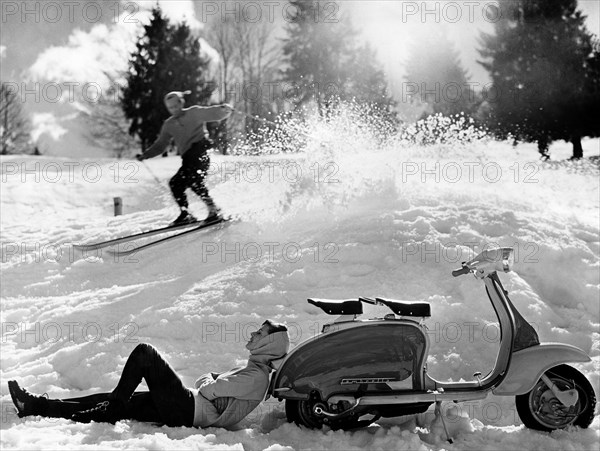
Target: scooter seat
(407,308)
(338,307)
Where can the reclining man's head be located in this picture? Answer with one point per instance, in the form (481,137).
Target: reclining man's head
(276,330)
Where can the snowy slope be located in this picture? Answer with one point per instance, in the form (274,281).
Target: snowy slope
(342,220)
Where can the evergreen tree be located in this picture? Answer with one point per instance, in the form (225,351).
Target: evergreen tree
(317,54)
(325,62)
(545,73)
(369,85)
(167,58)
(435,75)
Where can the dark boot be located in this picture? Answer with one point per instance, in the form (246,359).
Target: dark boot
(104,412)
(184,218)
(214,212)
(25,402)
(214,216)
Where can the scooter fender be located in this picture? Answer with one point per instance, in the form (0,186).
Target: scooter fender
(528,365)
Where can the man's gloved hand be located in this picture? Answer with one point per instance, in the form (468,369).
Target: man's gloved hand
(228,108)
(208,377)
(139,157)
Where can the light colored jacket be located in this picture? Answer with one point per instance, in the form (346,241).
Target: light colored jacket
(186,128)
(225,399)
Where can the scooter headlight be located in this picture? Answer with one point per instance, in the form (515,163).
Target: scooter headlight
(508,258)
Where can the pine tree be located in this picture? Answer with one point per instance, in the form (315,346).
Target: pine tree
(325,62)
(317,54)
(368,84)
(167,58)
(436,76)
(545,73)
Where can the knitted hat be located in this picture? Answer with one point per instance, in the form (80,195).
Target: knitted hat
(178,94)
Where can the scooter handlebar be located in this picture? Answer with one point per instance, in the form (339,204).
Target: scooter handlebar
(459,272)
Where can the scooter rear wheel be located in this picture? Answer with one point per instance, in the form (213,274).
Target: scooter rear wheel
(539,409)
(302,413)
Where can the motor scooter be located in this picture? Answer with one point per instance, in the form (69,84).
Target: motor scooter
(359,370)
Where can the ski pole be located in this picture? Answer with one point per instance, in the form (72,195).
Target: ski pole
(153,175)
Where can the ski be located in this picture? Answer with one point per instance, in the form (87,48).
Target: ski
(203,225)
(124,239)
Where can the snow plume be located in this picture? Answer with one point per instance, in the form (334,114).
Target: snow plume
(438,129)
(324,157)
(355,150)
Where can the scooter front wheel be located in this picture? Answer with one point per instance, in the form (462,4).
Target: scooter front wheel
(540,409)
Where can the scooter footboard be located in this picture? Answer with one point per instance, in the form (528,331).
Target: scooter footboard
(528,365)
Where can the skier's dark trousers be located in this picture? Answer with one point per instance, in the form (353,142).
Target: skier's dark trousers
(191,174)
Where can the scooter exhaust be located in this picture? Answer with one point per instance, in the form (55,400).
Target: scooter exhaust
(319,410)
(331,418)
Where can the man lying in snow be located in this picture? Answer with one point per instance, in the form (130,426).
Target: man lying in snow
(220,400)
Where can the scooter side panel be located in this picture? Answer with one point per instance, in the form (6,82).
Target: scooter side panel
(368,358)
(528,365)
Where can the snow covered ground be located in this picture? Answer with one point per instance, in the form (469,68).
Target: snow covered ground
(342,220)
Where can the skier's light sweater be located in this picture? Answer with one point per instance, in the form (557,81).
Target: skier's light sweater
(186,128)
(225,399)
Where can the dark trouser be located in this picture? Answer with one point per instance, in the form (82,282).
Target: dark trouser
(191,174)
(168,401)
(140,407)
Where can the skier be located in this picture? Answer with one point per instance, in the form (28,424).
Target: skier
(187,127)
(220,400)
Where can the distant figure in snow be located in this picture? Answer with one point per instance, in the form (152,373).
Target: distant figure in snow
(219,400)
(187,128)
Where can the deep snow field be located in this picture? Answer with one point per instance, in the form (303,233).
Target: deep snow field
(341,220)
